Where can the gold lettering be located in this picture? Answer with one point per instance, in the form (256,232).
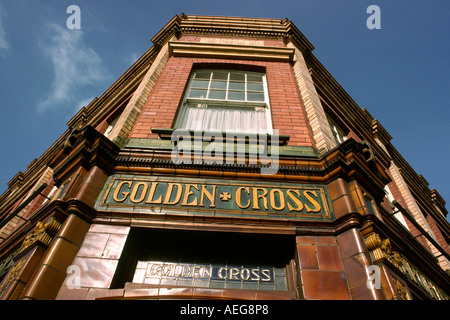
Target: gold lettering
(272,199)
(187,193)
(317,207)
(219,273)
(265,272)
(296,201)
(125,194)
(238,197)
(208,272)
(234,272)
(257,196)
(135,191)
(211,197)
(245,274)
(170,186)
(255,274)
(152,193)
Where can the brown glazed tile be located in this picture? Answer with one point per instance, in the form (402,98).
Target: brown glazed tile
(141,293)
(329,258)
(270,296)
(105,294)
(305,240)
(307,257)
(343,206)
(351,243)
(355,268)
(111,229)
(74,186)
(315,240)
(96,273)
(326,240)
(66,293)
(338,188)
(61,254)
(88,194)
(53,280)
(238,294)
(362,292)
(18,289)
(32,261)
(114,246)
(96,178)
(176,292)
(208,293)
(74,229)
(93,245)
(324,285)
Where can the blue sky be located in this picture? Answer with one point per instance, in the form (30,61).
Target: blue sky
(399,72)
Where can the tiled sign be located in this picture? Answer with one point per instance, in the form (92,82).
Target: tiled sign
(203,196)
(210,275)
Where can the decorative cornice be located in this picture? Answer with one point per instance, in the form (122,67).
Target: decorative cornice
(232,26)
(437,199)
(210,50)
(86,147)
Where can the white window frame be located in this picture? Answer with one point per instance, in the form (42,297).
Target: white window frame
(228,102)
(338,134)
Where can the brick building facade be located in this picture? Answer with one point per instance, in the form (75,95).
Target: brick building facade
(226,163)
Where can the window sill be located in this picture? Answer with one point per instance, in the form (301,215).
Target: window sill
(166,134)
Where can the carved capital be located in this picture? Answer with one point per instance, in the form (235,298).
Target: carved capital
(380,249)
(42,232)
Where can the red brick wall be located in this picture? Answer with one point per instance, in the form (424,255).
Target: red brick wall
(288,113)
(437,232)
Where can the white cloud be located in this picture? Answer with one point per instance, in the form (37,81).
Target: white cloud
(83,103)
(75,66)
(4,44)
(132,58)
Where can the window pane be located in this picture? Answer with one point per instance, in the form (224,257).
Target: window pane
(237,86)
(236,95)
(255,87)
(224,119)
(217,94)
(245,111)
(197,93)
(218,84)
(254,78)
(237,76)
(202,75)
(255,96)
(220,76)
(200,84)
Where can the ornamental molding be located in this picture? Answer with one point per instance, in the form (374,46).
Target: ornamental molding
(381,251)
(43,233)
(13,273)
(245,52)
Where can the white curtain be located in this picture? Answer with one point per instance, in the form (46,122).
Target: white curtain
(202,117)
